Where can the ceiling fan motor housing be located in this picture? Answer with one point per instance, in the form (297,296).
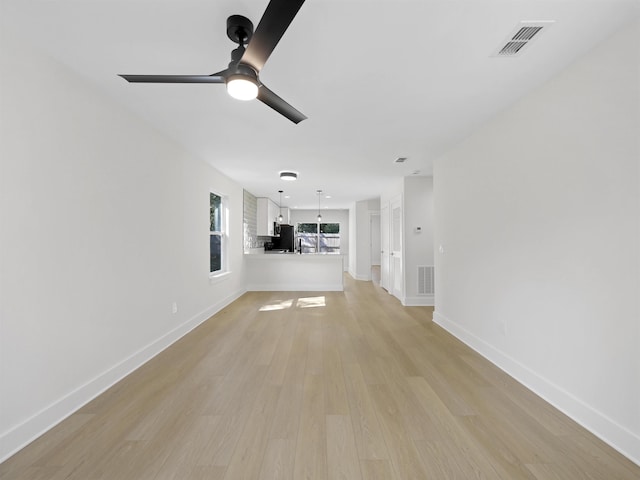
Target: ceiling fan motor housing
(243,71)
(239,29)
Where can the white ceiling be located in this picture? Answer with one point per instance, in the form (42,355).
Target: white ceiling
(377,79)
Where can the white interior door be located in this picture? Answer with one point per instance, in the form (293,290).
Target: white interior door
(385,249)
(396,249)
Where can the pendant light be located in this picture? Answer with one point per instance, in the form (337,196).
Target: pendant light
(319,216)
(280,217)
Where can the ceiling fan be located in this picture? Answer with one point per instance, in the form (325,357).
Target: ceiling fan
(254,48)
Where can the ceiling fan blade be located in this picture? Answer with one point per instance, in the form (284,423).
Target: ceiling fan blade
(269,98)
(215,78)
(275,21)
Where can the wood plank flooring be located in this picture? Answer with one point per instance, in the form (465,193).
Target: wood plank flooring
(318,386)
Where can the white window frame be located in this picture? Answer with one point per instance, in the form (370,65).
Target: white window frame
(223,234)
(317,236)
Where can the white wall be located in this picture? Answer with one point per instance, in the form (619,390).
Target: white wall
(353,238)
(538,213)
(328,216)
(418,247)
(375,238)
(104,223)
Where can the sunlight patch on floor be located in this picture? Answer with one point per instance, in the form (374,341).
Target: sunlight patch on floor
(305,302)
(283,305)
(311,302)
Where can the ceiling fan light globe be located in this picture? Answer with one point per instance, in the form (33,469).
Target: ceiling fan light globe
(241,87)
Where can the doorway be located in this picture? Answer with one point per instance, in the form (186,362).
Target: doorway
(384,248)
(375,246)
(395,266)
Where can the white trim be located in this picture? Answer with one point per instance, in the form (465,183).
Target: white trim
(615,435)
(364,278)
(219,276)
(21,435)
(421,301)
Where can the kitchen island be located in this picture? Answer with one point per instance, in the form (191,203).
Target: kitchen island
(293,272)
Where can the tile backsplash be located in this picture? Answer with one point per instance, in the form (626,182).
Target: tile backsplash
(250,223)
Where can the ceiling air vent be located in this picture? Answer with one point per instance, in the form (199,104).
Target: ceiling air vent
(521,36)
(400,160)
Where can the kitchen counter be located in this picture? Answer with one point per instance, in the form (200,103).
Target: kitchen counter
(278,252)
(294,272)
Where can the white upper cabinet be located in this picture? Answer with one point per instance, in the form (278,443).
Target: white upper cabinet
(268,213)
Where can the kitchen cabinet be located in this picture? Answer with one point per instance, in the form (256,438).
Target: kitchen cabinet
(268,213)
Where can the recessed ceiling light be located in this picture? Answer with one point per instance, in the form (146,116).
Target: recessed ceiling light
(327,196)
(288,176)
(287,196)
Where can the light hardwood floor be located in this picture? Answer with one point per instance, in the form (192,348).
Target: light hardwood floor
(346,385)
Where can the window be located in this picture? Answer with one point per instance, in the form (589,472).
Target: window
(217,232)
(319,237)
(308,237)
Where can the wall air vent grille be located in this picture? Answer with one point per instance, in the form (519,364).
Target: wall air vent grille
(520,37)
(426,280)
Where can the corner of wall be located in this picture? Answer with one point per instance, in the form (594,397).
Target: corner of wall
(619,437)
(16,438)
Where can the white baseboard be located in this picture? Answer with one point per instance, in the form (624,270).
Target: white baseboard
(615,435)
(295,287)
(21,435)
(355,276)
(421,301)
